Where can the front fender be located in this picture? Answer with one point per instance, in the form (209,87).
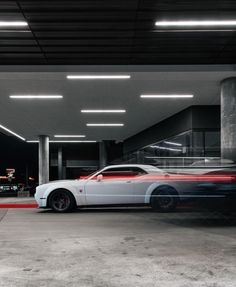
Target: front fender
(69,187)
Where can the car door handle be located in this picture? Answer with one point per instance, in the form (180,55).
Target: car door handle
(129,181)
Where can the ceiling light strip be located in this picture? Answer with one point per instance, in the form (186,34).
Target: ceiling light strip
(36,96)
(173,143)
(11,132)
(174,30)
(73,141)
(103,111)
(69,136)
(199,23)
(98,77)
(62,141)
(105,125)
(13,24)
(166,148)
(14,31)
(173,96)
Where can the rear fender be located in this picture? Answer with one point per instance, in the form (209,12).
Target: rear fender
(155,185)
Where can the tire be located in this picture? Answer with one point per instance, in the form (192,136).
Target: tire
(166,203)
(62,200)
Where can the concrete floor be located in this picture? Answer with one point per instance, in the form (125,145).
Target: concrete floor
(116,248)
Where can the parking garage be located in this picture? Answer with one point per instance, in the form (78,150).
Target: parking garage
(117,94)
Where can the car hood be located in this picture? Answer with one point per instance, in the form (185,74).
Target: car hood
(60,182)
(63,181)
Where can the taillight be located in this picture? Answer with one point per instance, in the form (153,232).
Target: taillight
(233,178)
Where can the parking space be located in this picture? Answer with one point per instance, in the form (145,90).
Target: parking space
(116,247)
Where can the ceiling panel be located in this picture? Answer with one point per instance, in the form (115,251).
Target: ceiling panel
(114,32)
(31,118)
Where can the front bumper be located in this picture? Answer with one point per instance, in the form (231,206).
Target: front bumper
(41,201)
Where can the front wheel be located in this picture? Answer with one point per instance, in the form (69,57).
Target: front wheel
(164,199)
(62,201)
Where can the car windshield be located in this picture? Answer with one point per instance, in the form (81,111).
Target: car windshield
(87,176)
(93,174)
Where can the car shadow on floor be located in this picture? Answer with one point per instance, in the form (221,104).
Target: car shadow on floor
(184,217)
(205,218)
(105,210)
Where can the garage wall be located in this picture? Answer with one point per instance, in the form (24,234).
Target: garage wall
(205,117)
(194,117)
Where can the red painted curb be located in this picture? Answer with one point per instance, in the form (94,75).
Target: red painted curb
(18,205)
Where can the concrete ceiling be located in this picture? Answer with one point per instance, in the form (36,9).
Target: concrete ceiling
(30,118)
(80,32)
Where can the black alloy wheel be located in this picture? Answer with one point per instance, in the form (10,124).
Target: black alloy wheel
(62,201)
(164,199)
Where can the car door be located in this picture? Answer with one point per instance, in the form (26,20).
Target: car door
(116,187)
(140,185)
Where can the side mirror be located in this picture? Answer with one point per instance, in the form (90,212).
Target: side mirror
(99,177)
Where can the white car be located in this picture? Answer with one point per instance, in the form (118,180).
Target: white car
(125,185)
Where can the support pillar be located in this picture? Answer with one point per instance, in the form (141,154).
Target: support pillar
(102,154)
(43,159)
(60,165)
(228,119)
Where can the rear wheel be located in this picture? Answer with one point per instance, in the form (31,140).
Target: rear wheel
(164,199)
(62,201)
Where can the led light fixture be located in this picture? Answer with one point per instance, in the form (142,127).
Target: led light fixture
(62,141)
(11,132)
(187,30)
(69,136)
(165,148)
(71,141)
(199,23)
(173,143)
(36,97)
(13,24)
(103,111)
(98,77)
(167,96)
(104,125)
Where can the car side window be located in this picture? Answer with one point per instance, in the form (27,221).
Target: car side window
(124,171)
(138,171)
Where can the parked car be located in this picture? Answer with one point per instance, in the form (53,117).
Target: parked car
(134,185)
(8,189)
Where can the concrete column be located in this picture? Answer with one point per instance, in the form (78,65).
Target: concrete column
(228,119)
(60,165)
(102,154)
(43,159)
(139,157)
(64,172)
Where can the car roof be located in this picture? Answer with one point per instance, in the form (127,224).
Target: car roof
(143,166)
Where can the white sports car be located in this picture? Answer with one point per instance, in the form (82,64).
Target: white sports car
(131,185)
